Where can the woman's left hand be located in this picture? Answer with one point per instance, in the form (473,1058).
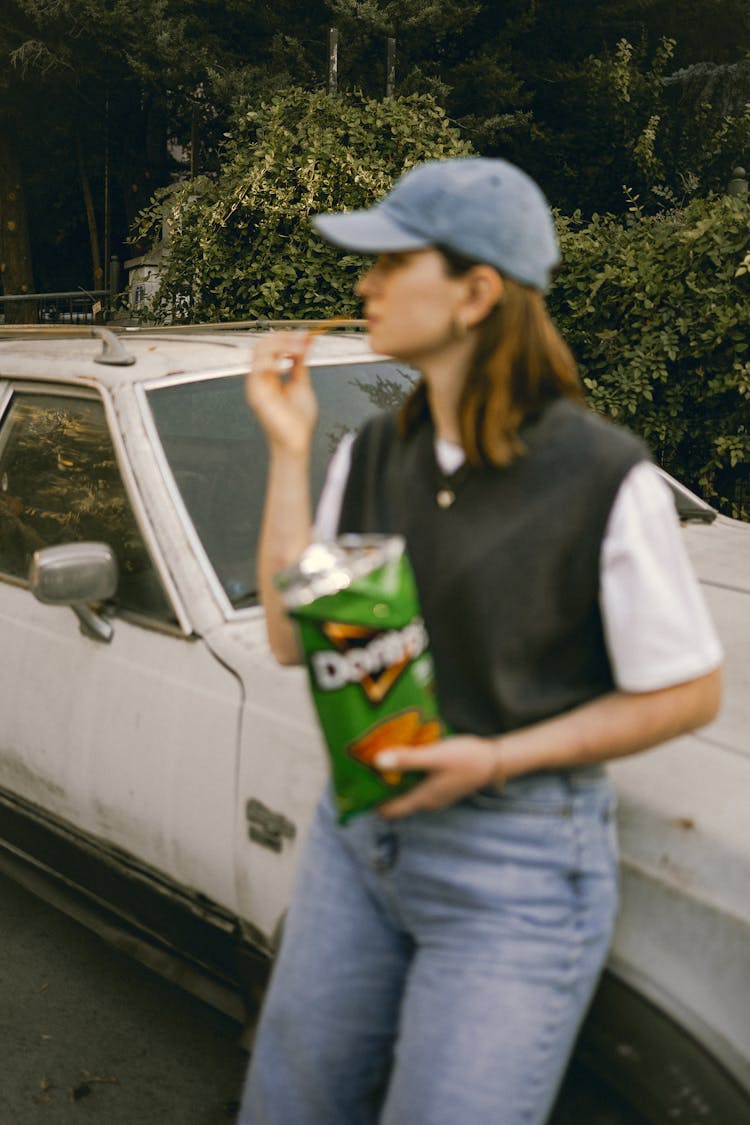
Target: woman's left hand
(454,766)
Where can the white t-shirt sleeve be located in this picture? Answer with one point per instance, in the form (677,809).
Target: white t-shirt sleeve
(328,511)
(656,623)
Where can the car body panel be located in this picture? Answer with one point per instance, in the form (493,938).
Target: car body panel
(115,739)
(282,769)
(684,826)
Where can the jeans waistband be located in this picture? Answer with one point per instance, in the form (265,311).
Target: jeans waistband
(546,783)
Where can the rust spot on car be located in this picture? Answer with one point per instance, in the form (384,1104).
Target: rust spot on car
(685,822)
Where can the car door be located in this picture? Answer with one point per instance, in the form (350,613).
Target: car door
(129,745)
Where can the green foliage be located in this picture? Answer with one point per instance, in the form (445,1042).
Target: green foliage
(626,90)
(581,95)
(667,136)
(241,245)
(621,93)
(706,129)
(657,311)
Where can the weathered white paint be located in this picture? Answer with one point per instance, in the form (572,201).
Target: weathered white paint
(133,742)
(685,832)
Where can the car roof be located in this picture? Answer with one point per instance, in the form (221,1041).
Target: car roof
(99,356)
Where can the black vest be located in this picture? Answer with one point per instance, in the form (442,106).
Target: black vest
(508,576)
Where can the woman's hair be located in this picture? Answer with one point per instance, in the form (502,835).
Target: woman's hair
(520,364)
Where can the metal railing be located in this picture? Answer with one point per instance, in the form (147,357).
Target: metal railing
(76,306)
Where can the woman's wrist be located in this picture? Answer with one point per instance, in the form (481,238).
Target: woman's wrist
(513,756)
(284,452)
(499,768)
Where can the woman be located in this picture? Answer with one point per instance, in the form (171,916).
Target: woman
(440,952)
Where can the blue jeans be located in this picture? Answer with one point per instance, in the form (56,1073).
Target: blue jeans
(435,970)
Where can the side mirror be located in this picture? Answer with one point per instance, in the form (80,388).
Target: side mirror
(76,574)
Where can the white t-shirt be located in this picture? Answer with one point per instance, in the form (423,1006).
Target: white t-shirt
(656,624)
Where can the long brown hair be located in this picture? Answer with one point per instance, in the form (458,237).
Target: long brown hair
(520,364)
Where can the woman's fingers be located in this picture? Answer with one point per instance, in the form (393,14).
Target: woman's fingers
(275,357)
(410,757)
(453,767)
(279,390)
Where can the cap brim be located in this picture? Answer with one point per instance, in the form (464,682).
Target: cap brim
(366,232)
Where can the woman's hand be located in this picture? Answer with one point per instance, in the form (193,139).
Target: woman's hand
(454,766)
(280,392)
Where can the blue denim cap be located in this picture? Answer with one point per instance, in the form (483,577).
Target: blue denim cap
(482,208)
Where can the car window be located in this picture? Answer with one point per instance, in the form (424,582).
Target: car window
(217,453)
(59,483)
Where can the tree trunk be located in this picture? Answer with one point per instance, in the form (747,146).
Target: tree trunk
(96,260)
(15,245)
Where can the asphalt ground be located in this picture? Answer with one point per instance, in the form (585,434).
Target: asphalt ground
(87,1035)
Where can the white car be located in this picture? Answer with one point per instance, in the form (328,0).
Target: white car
(158,770)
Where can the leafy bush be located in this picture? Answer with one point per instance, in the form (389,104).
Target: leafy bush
(670,137)
(657,311)
(241,245)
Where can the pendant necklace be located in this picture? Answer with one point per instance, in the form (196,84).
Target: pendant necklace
(447,486)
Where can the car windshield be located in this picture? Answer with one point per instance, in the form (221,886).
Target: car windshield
(217,453)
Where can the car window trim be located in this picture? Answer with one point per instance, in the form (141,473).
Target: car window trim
(142,390)
(182,627)
(199,551)
(344,359)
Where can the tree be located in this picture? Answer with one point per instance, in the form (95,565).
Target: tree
(61,59)
(96,94)
(97,88)
(16,273)
(15,245)
(579,94)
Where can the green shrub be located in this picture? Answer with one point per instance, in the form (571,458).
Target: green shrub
(657,312)
(241,246)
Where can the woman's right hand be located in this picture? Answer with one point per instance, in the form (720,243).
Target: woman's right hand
(281,395)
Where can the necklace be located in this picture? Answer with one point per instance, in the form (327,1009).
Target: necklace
(450,469)
(448,485)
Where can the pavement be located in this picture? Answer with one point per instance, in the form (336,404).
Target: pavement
(90,1036)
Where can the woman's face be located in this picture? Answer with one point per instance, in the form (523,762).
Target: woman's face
(411,304)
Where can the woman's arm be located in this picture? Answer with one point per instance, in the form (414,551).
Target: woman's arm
(280,393)
(284,534)
(611,726)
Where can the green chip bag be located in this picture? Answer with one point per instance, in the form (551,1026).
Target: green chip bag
(366,651)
